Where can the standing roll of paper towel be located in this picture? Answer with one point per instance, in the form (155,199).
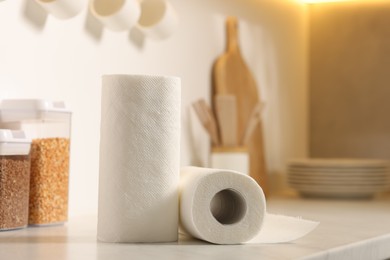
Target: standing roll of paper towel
(228,207)
(139,159)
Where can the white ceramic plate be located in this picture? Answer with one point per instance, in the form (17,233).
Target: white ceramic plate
(338,173)
(340,188)
(339,163)
(339,182)
(337,169)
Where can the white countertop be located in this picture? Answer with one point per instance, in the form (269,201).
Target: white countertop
(357,229)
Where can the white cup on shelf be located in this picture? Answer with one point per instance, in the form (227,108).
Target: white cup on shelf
(116,15)
(158,19)
(62,9)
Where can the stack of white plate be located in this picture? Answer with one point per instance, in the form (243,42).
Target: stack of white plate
(339,178)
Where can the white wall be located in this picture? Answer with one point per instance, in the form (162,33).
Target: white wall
(42,57)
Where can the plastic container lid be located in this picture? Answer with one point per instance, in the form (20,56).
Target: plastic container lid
(14,142)
(30,109)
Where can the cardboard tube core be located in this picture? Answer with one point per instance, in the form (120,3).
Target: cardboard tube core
(228,206)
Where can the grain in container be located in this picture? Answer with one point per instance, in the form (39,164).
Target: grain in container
(14,179)
(47,123)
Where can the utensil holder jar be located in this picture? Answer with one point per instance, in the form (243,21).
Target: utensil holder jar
(234,158)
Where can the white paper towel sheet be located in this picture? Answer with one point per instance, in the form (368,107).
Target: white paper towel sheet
(139,159)
(227,207)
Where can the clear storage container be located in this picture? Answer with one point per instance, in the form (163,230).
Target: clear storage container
(48,124)
(14,179)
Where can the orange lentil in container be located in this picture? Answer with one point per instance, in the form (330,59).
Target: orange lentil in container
(49,181)
(14,191)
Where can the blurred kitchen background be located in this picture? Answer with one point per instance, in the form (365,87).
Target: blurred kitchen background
(321,70)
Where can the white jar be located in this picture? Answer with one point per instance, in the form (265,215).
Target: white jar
(234,158)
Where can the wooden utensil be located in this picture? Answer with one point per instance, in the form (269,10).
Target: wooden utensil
(207,119)
(225,109)
(232,76)
(254,119)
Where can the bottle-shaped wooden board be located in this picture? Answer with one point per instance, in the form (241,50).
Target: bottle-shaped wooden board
(232,76)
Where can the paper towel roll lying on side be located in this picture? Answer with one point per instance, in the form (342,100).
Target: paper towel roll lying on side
(139,159)
(227,207)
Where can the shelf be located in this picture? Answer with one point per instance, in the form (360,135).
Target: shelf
(348,230)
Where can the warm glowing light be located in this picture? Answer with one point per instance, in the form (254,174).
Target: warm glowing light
(331,1)
(323,1)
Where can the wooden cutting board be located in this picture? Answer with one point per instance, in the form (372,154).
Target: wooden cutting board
(232,76)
